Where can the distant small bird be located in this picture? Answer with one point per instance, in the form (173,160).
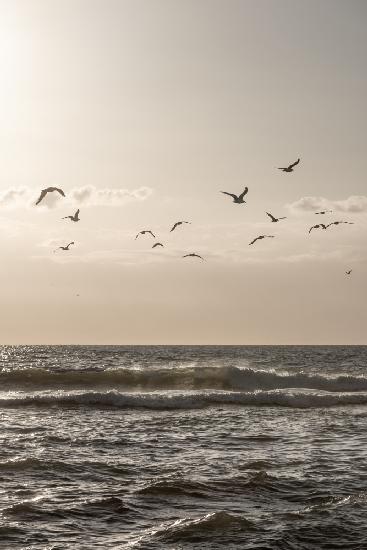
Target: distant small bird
(49,190)
(324,212)
(337,223)
(193,255)
(74,218)
(349,272)
(144,232)
(65,247)
(290,167)
(176,225)
(274,220)
(261,237)
(238,199)
(157,244)
(317,226)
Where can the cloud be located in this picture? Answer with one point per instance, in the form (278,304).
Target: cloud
(354,204)
(89,195)
(11,198)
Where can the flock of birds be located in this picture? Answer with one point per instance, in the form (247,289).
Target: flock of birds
(237,199)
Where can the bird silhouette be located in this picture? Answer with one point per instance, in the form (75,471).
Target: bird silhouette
(317,226)
(74,218)
(337,223)
(273,219)
(238,199)
(349,272)
(261,237)
(157,244)
(144,232)
(176,225)
(290,167)
(324,212)
(49,190)
(193,255)
(65,247)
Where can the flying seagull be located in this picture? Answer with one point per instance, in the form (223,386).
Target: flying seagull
(193,255)
(274,220)
(238,199)
(324,212)
(176,225)
(290,167)
(49,190)
(337,223)
(157,244)
(349,272)
(317,226)
(144,232)
(74,218)
(65,247)
(261,237)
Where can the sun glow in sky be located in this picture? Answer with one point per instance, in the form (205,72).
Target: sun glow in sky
(143,112)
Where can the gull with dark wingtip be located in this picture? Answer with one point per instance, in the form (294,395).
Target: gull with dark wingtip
(144,232)
(317,226)
(49,190)
(74,218)
(157,244)
(273,219)
(337,223)
(290,167)
(176,225)
(262,237)
(193,255)
(238,199)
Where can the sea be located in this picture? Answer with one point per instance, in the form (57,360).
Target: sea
(183,447)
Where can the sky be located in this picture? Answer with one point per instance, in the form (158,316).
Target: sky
(143,112)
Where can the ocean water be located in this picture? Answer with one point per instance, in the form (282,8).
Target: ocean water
(179,447)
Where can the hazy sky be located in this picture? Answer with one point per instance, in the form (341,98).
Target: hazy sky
(143,111)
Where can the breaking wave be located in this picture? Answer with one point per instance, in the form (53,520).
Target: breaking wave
(178,378)
(186,400)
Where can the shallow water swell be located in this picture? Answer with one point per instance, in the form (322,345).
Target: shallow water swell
(176,448)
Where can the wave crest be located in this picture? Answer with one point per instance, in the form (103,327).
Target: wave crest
(185,378)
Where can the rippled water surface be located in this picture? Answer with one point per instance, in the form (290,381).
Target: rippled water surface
(183,448)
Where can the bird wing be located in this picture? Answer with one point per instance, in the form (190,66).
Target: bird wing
(151,232)
(271,216)
(42,196)
(59,191)
(311,228)
(254,241)
(77,212)
(243,193)
(230,194)
(174,227)
(72,242)
(294,164)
